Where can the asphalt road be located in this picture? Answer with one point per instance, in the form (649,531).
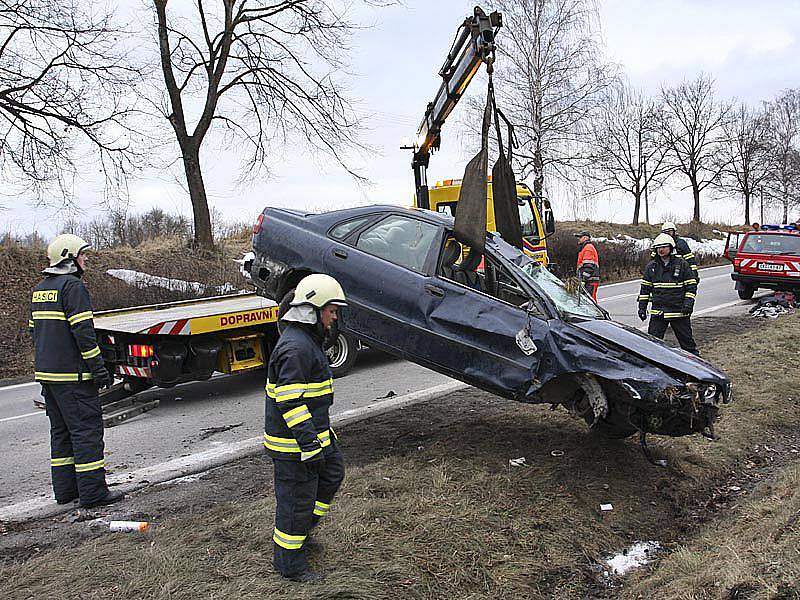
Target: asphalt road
(197,417)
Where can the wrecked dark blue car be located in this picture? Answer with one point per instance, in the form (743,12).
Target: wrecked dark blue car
(500,322)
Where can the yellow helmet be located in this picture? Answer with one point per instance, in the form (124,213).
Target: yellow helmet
(318,290)
(662,239)
(669,225)
(65,246)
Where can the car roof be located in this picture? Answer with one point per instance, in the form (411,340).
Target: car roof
(335,216)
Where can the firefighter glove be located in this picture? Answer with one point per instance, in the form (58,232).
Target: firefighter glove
(688,308)
(643,314)
(102,377)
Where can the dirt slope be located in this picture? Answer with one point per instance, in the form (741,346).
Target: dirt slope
(431,508)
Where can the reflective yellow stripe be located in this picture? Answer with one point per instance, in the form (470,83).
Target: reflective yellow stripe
(281,444)
(690,295)
(293,391)
(644,298)
(61,377)
(92,466)
(30,323)
(296,416)
(647,283)
(80,317)
(62,462)
(673,315)
(91,353)
(690,282)
(304,456)
(687,256)
(668,285)
(321,509)
(290,542)
(52,315)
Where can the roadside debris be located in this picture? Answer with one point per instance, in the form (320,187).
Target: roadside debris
(640,553)
(556,453)
(774,306)
(517,462)
(124,526)
(209,431)
(389,394)
(606,507)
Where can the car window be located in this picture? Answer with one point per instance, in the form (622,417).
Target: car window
(773,243)
(401,240)
(342,230)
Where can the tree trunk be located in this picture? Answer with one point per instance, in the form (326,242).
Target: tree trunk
(637,205)
(785,210)
(696,194)
(747,208)
(538,181)
(203,236)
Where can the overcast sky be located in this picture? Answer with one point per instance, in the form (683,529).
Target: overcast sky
(750,48)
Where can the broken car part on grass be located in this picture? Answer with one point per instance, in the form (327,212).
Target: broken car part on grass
(509,327)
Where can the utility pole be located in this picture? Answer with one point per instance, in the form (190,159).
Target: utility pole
(762,205)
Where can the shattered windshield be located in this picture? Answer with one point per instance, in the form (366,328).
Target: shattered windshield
(576,302)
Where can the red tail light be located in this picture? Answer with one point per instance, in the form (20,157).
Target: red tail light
(140,350)
(257,225)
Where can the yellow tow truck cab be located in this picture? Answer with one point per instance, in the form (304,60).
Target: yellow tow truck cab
(443,197)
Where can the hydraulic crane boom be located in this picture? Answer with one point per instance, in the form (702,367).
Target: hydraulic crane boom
(474,44)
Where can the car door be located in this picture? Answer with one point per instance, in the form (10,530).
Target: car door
(382,270)
(472,333)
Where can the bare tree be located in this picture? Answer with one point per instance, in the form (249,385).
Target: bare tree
(551,78)
(629,150)
(64,93)
(744,158)
(262,70)
(694,130)
(784,138)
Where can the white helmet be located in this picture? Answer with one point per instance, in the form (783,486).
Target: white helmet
(669,226)
(66,246)
(662,239)
(318,290)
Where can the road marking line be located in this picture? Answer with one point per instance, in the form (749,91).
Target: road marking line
(217,456)
(17,386)
(610,285)
(40,412)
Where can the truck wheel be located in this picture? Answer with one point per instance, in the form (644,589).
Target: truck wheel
(342,354)
(747,292)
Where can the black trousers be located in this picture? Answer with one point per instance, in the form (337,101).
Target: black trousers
(303,498)
(76,441)
(681,327)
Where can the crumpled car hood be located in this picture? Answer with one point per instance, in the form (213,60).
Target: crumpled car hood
(652,350)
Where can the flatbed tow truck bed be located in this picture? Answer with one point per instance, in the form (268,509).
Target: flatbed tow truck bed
(166,344)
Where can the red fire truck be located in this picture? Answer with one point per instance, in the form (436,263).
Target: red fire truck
(768,258)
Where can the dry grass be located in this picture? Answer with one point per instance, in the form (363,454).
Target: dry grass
(431,509)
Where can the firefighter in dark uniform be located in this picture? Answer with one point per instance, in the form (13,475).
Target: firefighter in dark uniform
(682,249)
(588,266)
(70,369)
(308,465)
(671,286)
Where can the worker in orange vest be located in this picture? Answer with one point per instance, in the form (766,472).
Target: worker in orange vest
(588,268)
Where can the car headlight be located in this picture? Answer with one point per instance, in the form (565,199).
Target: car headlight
(710,392)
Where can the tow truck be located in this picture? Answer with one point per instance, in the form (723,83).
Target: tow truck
(768,258)
(473,45)
(163,345)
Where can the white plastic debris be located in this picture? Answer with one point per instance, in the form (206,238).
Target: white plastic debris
(640,553)
(606,507)
(517,462)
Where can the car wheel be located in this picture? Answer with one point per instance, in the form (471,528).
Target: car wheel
(747,292)
(342,354)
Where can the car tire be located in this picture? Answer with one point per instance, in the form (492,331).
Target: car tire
(342,354)
(747,292)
